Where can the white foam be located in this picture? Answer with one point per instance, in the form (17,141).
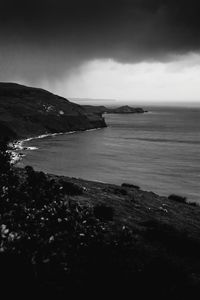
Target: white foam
(15,157)
(19,143)
(31,148)
(93,129)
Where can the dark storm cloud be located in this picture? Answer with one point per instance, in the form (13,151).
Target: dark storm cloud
(48,37)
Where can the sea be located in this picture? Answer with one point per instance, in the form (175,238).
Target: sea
(158,151)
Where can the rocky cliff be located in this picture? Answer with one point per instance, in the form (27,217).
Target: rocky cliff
(27,111)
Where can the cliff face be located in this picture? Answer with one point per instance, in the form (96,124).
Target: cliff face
(27,111)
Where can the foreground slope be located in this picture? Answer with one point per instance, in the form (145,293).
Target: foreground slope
(27,111)
(74,237)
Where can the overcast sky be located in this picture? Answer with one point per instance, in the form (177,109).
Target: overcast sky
(140,50)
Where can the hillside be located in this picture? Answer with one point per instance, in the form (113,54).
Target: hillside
(27,111)
(75,237)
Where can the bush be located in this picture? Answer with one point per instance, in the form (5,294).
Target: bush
(103,212)
(4,158)
(178,198)
(193,203)
(132,186)
(8,180)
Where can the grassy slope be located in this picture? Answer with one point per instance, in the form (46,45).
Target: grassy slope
(137,207)
(166,233)
(61,243)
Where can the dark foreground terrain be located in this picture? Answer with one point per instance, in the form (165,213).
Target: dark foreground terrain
(64,238)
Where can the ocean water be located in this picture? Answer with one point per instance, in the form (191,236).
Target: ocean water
(158,150)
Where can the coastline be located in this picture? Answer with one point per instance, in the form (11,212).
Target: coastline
(17,145)
(156,182)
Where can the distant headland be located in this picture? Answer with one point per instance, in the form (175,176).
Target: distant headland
(125,109)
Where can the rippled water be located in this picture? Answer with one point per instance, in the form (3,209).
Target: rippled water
(158,151)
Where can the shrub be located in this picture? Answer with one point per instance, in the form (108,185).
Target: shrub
(103,212)
(178,198)
(132,186)
(8,179)
(193,203)
(5,157)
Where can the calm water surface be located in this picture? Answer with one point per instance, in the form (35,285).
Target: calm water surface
(159,151)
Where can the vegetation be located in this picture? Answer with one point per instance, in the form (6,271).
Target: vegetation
(128,185)
(52,245)
(177,198)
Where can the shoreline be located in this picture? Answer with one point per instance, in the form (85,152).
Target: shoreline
(19,152)
(17,145)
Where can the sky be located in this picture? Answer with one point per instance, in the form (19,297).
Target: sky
(143,51)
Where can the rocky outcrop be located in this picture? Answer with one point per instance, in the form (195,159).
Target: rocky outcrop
(27,111)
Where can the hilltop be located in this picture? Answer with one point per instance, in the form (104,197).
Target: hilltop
(27,111)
